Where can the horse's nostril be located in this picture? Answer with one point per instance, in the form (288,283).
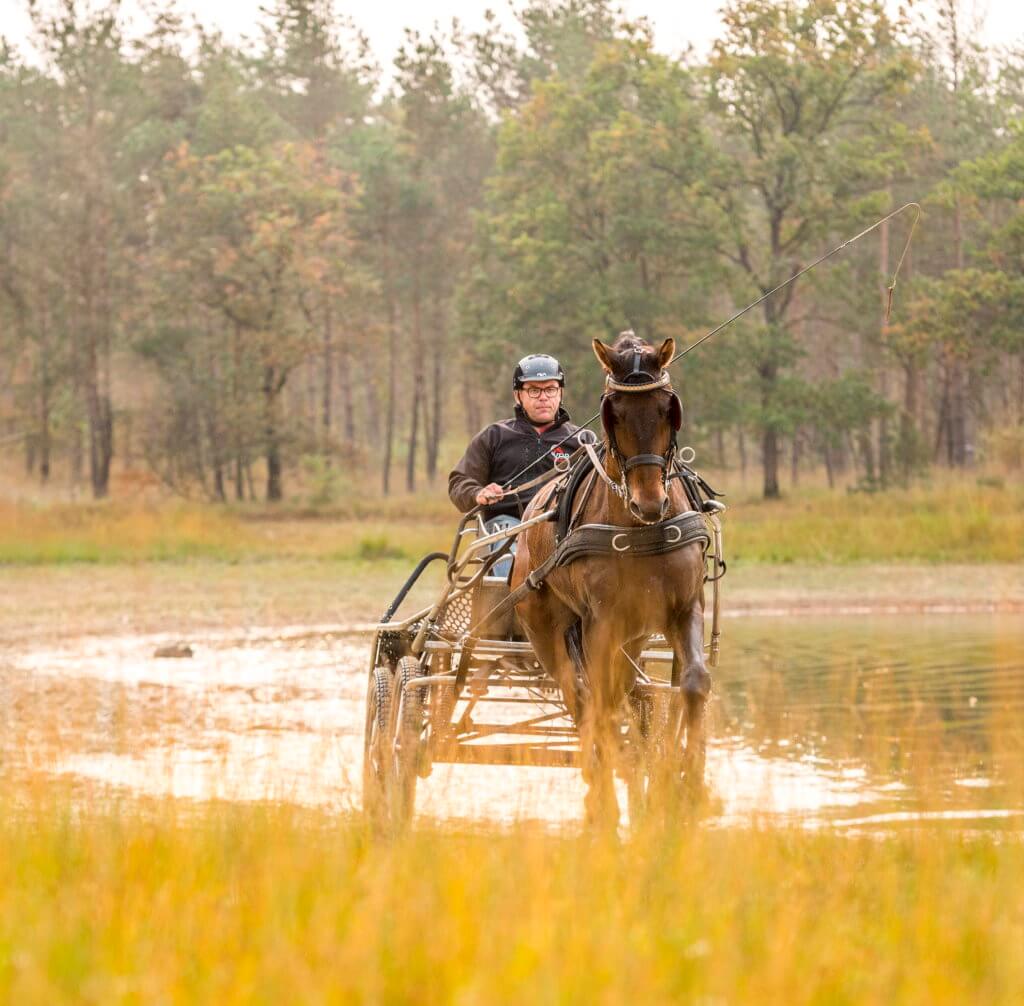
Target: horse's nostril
(648,515)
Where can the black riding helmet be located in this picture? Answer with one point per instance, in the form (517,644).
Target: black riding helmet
(537,367)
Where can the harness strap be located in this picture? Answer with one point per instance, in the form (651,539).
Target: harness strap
(607,539)
(574,519)
(660,460)
(652,384)
(599,468)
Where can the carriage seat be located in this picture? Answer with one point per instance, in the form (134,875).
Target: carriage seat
(488,593)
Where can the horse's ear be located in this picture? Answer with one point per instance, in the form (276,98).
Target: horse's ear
(665,354)
(603,354)
(675,412)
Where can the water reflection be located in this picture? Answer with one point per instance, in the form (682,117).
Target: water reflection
(861,723)
(925,711)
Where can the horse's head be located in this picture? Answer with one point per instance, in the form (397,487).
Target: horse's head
(641,414)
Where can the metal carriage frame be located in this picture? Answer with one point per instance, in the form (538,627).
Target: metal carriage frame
(453,683)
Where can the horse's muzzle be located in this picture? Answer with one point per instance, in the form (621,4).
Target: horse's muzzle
(649,514)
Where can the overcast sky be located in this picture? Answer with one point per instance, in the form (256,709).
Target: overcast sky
(677,23)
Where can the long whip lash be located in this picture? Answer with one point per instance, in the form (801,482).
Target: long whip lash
(891,288)
(890,291)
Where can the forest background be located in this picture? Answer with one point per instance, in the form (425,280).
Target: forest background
(242,271)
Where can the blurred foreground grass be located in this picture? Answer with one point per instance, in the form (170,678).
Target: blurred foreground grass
(208,903)
(954,522)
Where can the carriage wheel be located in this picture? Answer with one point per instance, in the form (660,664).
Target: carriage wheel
(406,732)
(375,748)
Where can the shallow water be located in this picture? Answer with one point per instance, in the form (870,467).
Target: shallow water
(860,723)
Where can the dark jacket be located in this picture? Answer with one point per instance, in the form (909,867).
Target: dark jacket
(502,451)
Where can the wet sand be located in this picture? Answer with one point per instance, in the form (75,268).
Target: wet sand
(45,605)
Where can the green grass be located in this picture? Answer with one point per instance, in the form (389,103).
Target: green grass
(954,522)
(114,532)
(957,522)
(222,904)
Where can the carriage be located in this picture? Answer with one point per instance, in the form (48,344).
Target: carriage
(459,682)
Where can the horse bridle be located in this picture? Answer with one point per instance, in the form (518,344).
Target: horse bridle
(638,381)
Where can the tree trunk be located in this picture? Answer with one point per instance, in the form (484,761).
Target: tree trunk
(77,453)
(958,414)
(45,401)
(218,483)
(884,447)
(433,443)
(417,381)
(470,404)
(770,436)
(274,488)
(1020,392)
(272,385)
(942,421)
(410,461)
(101,438)
(97,322)
(328,386)
(217,459)
(371,406)
(392,388)
(434,424)
(957,426)
(867,453)
(127,441)
(392,392)
(770,462)
(30,442)
(908,420)
(45,434)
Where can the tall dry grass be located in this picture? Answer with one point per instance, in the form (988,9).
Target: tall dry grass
(175,903)
(945,522)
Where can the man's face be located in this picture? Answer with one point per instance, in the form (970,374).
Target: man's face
(540,401)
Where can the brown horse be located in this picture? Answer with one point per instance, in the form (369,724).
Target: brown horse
(616,602)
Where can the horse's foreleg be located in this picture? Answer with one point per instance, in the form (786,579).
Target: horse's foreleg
(606,677)
(546,621)
(690,673)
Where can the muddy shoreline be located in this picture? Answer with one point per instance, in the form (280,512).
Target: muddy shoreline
(48,604)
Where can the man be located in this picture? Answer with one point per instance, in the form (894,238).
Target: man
(517,450)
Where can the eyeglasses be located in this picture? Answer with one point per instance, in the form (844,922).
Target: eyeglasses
(542,392)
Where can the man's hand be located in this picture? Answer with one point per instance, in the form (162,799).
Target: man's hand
(490,494)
